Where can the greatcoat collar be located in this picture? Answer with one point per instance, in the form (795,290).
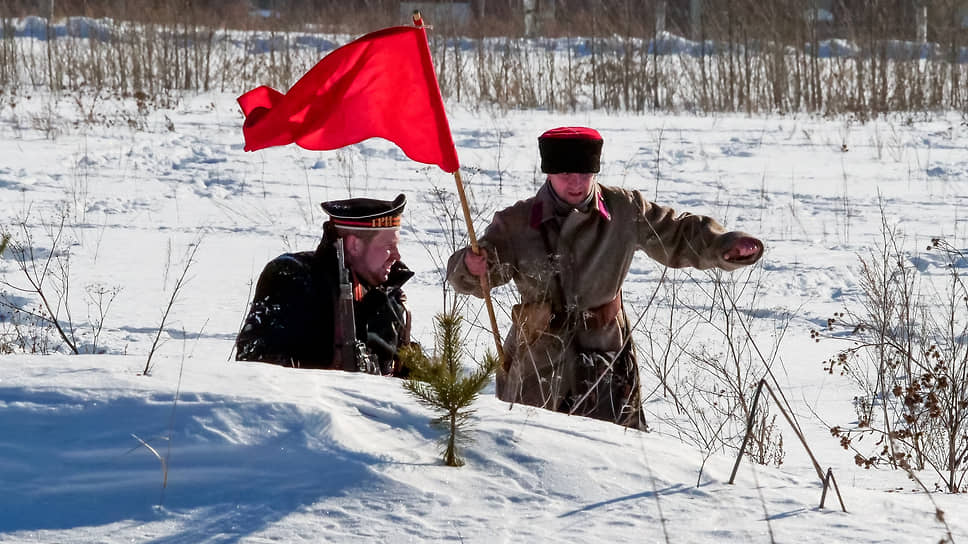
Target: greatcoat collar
(543,208)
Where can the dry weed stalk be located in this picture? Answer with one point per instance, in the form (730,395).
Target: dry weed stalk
(739,56)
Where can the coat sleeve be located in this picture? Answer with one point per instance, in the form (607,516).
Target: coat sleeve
(500,260)
(279,319)
(681,240)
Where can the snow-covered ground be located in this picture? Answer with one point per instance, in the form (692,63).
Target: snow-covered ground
(258,453)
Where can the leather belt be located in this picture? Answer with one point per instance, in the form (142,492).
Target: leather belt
(593,318)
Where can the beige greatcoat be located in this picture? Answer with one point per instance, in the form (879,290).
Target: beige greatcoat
(592,251)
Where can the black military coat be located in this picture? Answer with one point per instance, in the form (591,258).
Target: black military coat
(291,320)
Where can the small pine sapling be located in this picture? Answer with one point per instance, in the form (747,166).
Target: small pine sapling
(442,384)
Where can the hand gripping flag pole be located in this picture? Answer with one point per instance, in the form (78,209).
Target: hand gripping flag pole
(485,282)
(380,85)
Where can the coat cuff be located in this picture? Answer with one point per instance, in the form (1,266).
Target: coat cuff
(725,242)
(460,278)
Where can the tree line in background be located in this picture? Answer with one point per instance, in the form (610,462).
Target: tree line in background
(901,19)
(825,56)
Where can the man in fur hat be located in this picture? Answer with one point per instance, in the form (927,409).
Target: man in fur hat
(568,250)
(296,318)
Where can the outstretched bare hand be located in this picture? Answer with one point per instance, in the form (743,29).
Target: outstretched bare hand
(744,248)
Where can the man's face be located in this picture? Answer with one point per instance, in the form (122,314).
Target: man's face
(572,188)
(372,260)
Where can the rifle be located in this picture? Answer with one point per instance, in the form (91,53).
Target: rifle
(344,350)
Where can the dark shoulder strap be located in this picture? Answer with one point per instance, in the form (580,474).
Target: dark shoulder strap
(558,302)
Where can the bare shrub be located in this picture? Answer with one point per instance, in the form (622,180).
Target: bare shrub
(908,358)
(708,385)
(23,330)
(451,227)
(45,305)
(46,272)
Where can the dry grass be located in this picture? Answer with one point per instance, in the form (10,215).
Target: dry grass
(743,56)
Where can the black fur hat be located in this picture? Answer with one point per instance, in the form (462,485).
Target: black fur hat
(573,150)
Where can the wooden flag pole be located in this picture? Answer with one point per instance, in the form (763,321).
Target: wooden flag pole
(485,283)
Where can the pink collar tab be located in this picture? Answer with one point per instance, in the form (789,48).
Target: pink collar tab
(538,215)
(602,209)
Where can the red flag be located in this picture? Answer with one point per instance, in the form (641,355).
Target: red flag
(380,85)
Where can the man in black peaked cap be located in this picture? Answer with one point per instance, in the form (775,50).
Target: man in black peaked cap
(296,317)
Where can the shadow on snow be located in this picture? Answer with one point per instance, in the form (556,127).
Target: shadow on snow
(250,463)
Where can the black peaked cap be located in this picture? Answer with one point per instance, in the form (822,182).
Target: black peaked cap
(366,213)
